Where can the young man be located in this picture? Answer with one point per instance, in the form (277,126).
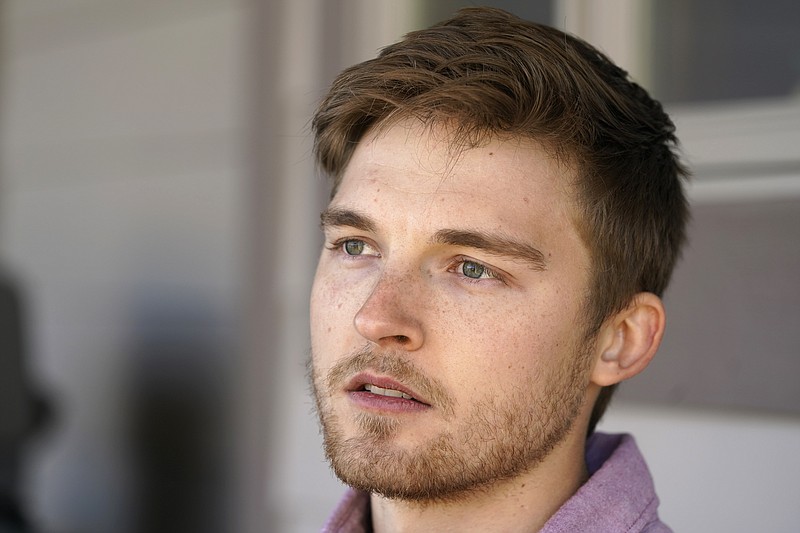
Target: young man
(507,209)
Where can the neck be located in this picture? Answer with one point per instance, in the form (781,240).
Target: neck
(523,503)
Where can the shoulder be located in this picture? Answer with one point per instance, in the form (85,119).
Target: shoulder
(618,496)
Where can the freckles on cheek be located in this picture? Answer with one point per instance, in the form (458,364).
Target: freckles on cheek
(327,292)
(320,315)
(521,343)
(333,309)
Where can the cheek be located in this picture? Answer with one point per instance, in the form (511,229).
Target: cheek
(333,305)
(325,310)
(503,344)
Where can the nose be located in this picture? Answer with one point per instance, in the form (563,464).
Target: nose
(390,315)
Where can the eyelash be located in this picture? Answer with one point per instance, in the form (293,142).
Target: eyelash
(492,274)
(338,246)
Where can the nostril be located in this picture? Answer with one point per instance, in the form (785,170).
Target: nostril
(402,339)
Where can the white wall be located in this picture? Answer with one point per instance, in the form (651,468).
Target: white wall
(717,470)
(121,184)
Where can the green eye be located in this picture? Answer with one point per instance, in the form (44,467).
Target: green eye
(354,247)
(472,270)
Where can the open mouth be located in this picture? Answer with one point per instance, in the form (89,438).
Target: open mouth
(374,389)
(384,393)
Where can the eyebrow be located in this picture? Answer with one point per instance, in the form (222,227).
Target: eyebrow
(492,244)
(336,216)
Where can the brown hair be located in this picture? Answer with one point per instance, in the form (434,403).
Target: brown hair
(489,73)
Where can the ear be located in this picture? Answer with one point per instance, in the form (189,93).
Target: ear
(628,341)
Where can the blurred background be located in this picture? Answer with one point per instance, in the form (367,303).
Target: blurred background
(158,234)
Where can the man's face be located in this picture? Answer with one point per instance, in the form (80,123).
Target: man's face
(448,349)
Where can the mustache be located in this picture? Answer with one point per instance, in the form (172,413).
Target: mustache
(394,364)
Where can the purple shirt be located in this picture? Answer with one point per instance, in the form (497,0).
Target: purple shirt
(618,497)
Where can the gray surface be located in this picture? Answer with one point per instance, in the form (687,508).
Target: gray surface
(733,313)
(714,50)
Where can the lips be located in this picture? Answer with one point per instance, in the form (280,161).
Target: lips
(383,386)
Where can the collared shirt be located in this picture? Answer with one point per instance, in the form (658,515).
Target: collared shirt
(618,497)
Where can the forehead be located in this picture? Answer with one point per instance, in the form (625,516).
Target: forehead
(503,176)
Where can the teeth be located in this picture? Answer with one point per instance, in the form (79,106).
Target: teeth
(374,389)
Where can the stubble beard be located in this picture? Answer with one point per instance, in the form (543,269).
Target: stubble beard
(497,441)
